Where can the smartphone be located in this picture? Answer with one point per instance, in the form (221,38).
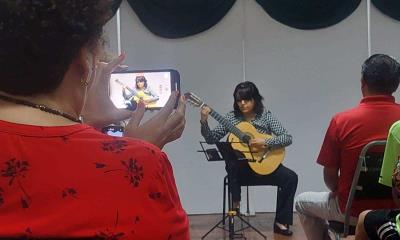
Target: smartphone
(116,131)
(153,87)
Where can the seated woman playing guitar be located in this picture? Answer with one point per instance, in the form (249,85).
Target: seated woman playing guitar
(248,107)
(141,92)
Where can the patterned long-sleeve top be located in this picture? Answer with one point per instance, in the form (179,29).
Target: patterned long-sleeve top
(265,123)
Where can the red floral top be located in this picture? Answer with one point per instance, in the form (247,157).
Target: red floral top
(73,181)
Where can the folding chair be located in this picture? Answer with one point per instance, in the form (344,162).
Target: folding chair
(365,185)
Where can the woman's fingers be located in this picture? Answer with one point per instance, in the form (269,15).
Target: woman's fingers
(115,62)
(181,105)
(99,110)
(164,127)
(137,116)
(176,123)
(175,116)
(169,106)
(104,70)
(177,132)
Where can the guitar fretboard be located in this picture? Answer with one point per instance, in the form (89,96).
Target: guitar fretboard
(125,86)
(231,128)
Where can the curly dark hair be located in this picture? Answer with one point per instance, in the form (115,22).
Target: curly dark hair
(247,91)
(40,38)
(381,73)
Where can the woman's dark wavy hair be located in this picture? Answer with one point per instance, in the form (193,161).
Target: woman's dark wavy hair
(247,91)
(40,38)
(141,79)
(381,73)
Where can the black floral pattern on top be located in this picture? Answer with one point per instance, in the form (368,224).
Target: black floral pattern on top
(136,220)
(133,170)
(108,234)
(155,195)
(71,192)
(100,165)
(65,138)
(24,202)
(28,234)
(15,171)
(28,230)
(115,145)
(136,224)
(151,150)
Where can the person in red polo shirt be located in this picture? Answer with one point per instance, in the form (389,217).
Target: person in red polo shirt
(347,134)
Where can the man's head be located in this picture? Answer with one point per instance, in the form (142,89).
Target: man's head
(380,75)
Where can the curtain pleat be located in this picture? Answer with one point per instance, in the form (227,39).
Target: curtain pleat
(390,8)
(180,18)
(309,14)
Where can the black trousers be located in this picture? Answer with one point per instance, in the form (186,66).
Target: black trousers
(240,174)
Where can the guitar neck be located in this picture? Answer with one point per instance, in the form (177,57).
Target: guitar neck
(231,128)
(125,86)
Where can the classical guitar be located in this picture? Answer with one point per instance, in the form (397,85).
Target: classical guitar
(261,161)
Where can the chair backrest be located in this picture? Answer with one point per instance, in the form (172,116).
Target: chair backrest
(365,183)
(368,185)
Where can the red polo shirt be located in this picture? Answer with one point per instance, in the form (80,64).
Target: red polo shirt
(74,182)
(347,134)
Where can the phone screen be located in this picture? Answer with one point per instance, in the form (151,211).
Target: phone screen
(116,131)
(152,87)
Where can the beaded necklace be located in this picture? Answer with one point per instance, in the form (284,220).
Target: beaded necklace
(43,108)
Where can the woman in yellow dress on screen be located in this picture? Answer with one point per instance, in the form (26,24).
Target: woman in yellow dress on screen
(141,92)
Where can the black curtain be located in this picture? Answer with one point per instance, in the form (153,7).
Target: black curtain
(388,7)
(180,18)
(309,14)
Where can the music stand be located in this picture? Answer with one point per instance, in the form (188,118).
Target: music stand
(228,154)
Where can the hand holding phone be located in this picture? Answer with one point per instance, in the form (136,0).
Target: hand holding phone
(99,110)
(166,126)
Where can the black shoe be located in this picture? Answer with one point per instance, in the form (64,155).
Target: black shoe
(285,232)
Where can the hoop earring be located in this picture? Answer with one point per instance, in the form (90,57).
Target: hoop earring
(84,82)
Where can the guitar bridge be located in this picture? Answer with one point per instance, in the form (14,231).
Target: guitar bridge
(263,156)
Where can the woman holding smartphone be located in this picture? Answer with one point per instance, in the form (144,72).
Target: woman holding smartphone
(60,177)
